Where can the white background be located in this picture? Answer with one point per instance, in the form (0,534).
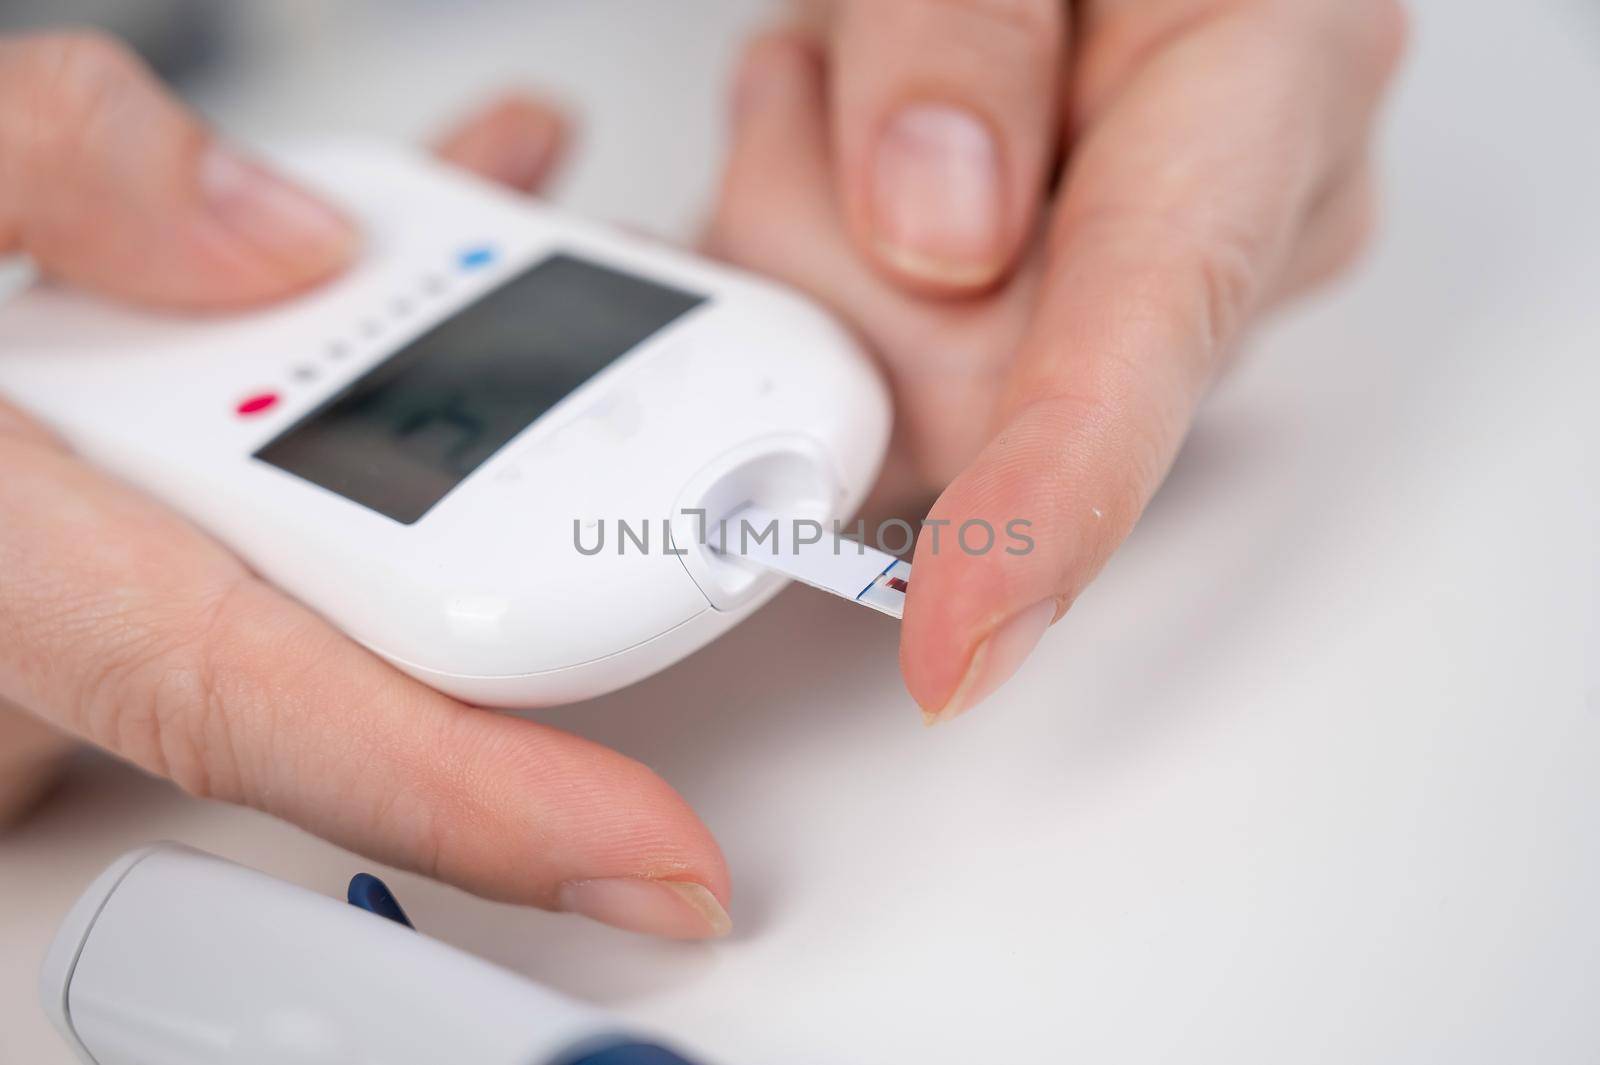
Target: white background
(1309,775)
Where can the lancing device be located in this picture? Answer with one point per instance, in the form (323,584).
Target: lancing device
(177,957)
(416,448)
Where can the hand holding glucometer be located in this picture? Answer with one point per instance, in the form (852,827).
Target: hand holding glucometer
(273,548)
(125,624)
(490,451)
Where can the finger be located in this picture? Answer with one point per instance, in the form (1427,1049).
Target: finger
(1179,210)
(516,141)
(107,182)
(125,626)
(31,757)
(777,214)
(1338,228)
(776,181)
(945,120)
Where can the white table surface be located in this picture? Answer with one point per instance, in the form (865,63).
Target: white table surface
(1309,775)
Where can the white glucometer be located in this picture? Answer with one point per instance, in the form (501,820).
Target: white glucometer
(427,449)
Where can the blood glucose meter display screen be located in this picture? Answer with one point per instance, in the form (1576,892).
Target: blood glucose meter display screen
(407,432)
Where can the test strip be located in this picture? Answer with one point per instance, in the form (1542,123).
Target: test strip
(810,553)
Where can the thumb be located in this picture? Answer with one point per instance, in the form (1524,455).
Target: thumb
(107,182)
(1154,272)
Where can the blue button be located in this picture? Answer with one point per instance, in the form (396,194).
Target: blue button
(368,893)
(477,257)
(632,1054)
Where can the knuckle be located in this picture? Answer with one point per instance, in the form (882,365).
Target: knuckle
(1388,34)
(767,49)
(85,50)
(1202,276)
(75,73)
(1362,231)
(155,698)
(124,702)
(1372,34)
(1355,224)
(1035,19)
(70,82)
(1229,281)
(745,228)
(738,235)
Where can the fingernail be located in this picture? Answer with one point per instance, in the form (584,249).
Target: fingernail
(996,660)
(672,908)
(278,220)
(936,195)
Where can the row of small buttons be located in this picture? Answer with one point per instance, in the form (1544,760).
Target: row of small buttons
(470,259)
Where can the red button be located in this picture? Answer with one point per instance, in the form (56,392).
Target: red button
(257,403)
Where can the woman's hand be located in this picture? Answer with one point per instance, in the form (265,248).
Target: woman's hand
(1053,222)
(123,625)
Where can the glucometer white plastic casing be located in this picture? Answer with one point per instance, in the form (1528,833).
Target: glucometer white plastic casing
(754,395)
